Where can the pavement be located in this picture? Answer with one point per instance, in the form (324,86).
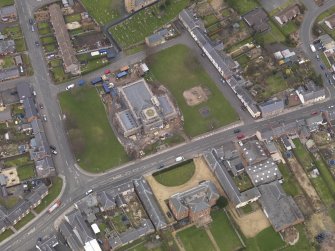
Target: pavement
(78,182)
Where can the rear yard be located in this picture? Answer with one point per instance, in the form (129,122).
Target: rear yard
(195,239)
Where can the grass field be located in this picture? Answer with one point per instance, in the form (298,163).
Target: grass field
(103,11)
(8,62)
(6,234)
(20,45)
(178,70)
(59,74)
(6,2)
(290,185)
(303,243)
(26,172)
(274,35)
(195,239)
(223,232)
(54,191)
(243,6)
(48,40)
(13,32)
(24,221)
(176,175)
(72,18)
(92,139)
(144,23)
(266,240)
(302,155)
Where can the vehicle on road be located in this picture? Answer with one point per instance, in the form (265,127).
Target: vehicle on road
(37,44)
(32,28)
(107,71)
(34,93)
(179,158)
(54,152)
(322,67)
(237,130)
(52,147)
(81,82)
(31,21)
(54,206)
(313,48)
(160,166)
(314,113)
(317,57)
(69,87)
(89,192)
(96,81)
(41,106)
(45,118)
(240,136)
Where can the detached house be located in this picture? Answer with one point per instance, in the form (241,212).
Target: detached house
(287,14)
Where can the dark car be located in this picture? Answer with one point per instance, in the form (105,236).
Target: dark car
(37,44)
(52,147)
(41,106)
(31,21)
(237,130)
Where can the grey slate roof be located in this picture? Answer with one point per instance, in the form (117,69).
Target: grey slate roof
(257,19)
(227,182)
(29,108)
(5,115)
(196,198)
(70,236)
(37,194)
(147,197)
(80,228)
(7,11)
(134,234)
(45,167)
(17,211)
(106,200)
(271,107)
(314,122)
(127,120)
(9,73)
(7,46)
(280,208)
(253,152)
(24,91)
(48,244)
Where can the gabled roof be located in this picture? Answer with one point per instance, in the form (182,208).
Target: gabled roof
(24,90)
(147,197)
(17,211)
(280,208)
(106,200)
(70,236)
(29,108)
(288,13)
(271,106)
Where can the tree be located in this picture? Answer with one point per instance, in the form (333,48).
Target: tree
(222,202)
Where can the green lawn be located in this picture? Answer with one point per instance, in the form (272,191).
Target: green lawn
(290,185)
(195,239)
(274,35)
(45,31)
(72,18)
(92,139)
(302,155)
(43,25)
(26,172)
(14,32)
(50,47)
(274,84)
(325,14)
(8,62)
(24,221)
(59,74)
(243,6)
(176,175)
(6,234)
(326,175)
(210,20)
(55,62)
(289,28)
(223,232)
(178,70)
(6,2)
(266,240)
(20,160)
(93,65)
(325,60)
(144,23)
(20,45)
(48,40)
(54,191)
(103,11)
(27,64)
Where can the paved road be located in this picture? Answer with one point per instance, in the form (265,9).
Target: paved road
(78,183)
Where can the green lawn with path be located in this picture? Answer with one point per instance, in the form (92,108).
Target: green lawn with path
(54,191)
(178,70)
(243,6)
(176,175)
(24,221)
(195,239)
(223,232)
(134,29)
(266,240)
(103,11)
(6,234)
(92,139)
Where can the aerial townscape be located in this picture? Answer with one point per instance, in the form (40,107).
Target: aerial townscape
(167,125)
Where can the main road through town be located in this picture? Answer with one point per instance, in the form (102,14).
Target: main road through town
(76,181)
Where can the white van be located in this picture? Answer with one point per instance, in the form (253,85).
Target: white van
(89,192)
(180,158)
(69,87)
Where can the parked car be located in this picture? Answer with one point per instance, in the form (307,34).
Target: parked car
(237,130)
(89,192)
(240,136)
(314,113)
(45,118)
(31,21)
(37,44)
(52,147)
(69,87)
(41,106)
(54,152)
